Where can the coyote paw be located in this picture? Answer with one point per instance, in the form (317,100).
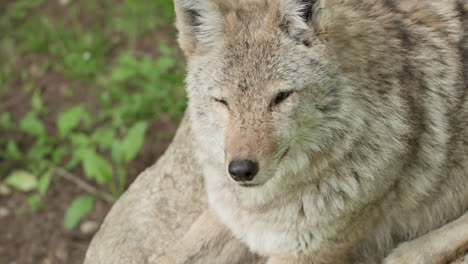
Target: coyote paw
(414,252)
(405,255)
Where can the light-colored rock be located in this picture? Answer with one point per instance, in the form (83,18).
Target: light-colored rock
(156,210)
(4,190)
(61,253)
(89,227)
(4,212)
(46,261)
(64,2)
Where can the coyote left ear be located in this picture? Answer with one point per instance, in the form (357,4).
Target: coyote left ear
(296,16)
(301,19)
(186,24)
(198,23)
(307,10)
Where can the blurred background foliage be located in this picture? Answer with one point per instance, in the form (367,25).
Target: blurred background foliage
(86,88)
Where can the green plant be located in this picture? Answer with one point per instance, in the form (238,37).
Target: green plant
(93,143)
(79,208)
(134,18)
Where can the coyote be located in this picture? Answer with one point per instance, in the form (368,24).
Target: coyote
(329,131)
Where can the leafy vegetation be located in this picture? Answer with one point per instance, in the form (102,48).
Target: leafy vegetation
(95,137)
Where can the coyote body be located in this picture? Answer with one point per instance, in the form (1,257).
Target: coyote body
(355,114)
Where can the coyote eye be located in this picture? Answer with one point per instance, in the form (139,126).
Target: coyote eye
(221,101)
(281,97)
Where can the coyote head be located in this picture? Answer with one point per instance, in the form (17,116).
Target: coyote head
(262,94)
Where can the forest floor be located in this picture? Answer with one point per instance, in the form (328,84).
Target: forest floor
(59,54)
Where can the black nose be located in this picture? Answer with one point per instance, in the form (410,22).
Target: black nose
(243,170)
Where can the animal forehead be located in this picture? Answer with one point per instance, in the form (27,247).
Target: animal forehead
(242,15)
(245,85)
(254,50)
(253,67)
(259,6)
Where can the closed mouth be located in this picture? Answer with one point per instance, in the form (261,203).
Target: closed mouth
(248,184)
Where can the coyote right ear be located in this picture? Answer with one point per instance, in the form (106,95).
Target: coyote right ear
(198,22)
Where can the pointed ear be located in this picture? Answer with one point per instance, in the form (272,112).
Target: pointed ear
(294,16)
(198,23)
(302,19)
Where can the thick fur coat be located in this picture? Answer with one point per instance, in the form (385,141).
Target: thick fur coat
(357,114)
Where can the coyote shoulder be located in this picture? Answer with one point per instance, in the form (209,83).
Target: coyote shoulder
(329,131)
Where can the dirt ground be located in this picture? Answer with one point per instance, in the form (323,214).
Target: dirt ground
(40,238)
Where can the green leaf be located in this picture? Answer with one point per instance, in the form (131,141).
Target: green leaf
(78,209)
(3,80)
(117,153)
(76,158)
(164,49)
(58,154)
(104,137)
(36,102)
(164,63)
(68,92)
(132,143)
(35,203)
(96,166)
(32,125)
(41,148)
(20,9)
(22,180)
(125,68)
(122,177)
(79,139)
(5,121)
(69,119)
(12,150)
(44,182)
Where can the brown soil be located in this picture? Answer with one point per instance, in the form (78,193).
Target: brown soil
(40,238)
(32,238)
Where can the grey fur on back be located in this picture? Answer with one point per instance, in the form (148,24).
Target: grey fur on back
(382,157)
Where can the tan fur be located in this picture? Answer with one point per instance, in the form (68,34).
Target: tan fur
(369,151)
(210,241)
(440,246)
